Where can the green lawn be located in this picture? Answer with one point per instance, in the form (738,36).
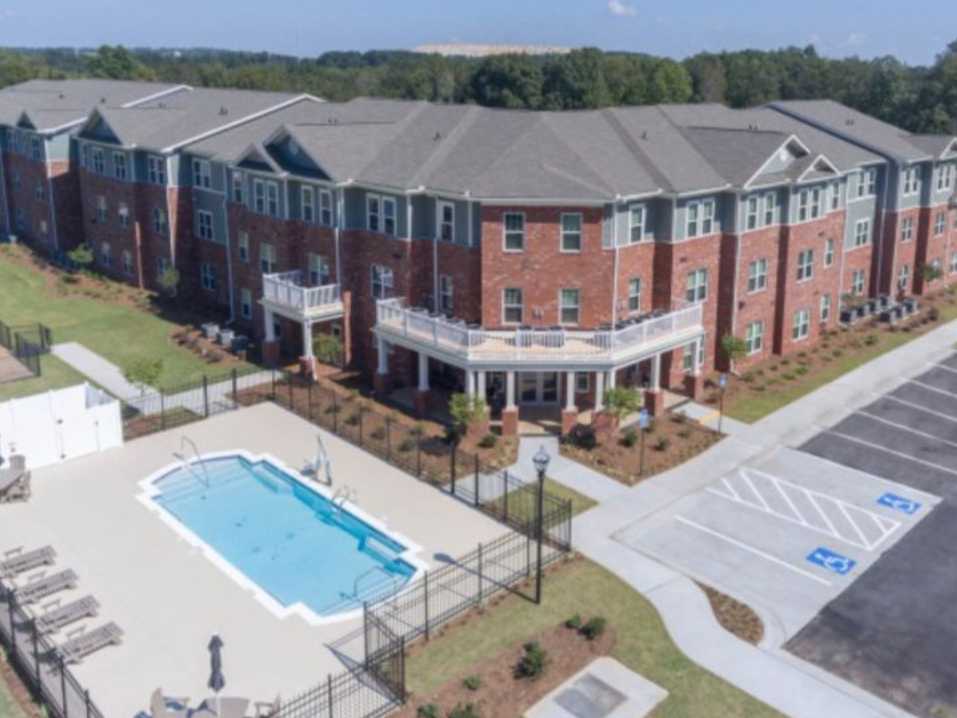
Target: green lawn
(587,589)
(119,333)
(9,708)
(54,374)
(526,510)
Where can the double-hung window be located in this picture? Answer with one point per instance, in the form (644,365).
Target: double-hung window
(513,224)
(634,295)
(754,337)
(867,183)
(857,282)
(569,306)
(815,203)
(907,229)
(911,181)
(373,213)
(945,178)
(940,224)
(245,303)
(758,275)
(383,281)
(106,255)
(243,246)
(446,211)
(835,194)
(267,258)
(636,223)
(320,272)
(207,276)
(825,308)
(700,218)
(159,220)
(259,196)
(770,208)
(201,174)
(446,294)
(101,209)
(512,307)
(903,277)
(124,216)
(804,198)
(389,216)
(99,166)
(308,202)
(751,218)
(805,265)
(204,224)
(325,207)
(120,170)
(238,187)
(696,289)
(802,325)
(828,252)
(862,232)
(156,170)
(272,199)
(571,231)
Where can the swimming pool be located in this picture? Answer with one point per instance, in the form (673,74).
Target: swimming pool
(270,529)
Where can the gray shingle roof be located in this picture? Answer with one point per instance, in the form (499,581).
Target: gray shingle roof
(937,146)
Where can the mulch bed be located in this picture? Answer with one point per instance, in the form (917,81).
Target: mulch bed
(18,689)
(735,617)
(671,440)
(502,695)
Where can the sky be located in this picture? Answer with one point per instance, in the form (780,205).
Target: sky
(914,31)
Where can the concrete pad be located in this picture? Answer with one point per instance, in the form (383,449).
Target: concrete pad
(603,689)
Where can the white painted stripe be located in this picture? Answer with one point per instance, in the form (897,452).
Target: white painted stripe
(909,429)
(744,477)
(857,528)
(753,550)
(901,454)
(918,407)
(731,489)
(946,368)
(822,513)
(933,388)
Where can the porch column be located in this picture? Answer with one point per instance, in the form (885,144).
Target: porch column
(269,320)
(422,394)
(653,397)
(270,344)
(470,382)
(381,378)
(480,388)
(599,390)
(612,378)
(570,412)
(307,339)
(510,412)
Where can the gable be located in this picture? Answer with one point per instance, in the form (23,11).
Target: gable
(784,157)
(97,128)
(951,151)
(25,123)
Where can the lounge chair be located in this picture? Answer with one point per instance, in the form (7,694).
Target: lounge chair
(57,618)
(14,485)
(165,707)
(83,644)
(43,587)
(223,708)
(18,560)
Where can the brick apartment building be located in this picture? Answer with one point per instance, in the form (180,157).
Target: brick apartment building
(537,258)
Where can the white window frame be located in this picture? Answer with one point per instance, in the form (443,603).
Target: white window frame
(159,220)
(446,294)
(803,208)
(582,382)
(120,166)
(383,281)
(824,308)
(801,325)
(816,204)
(757,275)
(911,181)
(862,239)
(123,214)
(575,307)
(509,235)
(207,276)
(245,303)
(754,337)
(202,173)
(834,196)
(373,213)
(446,227)
(267,258)
(102,210)
(903,277)
(568,234)
(940,223)
(242,245)
(751,213)
(506,305)
(236,183)
(907,229)
(259,196)
(156,170)
(829,248)
(307,204)
(770,208)
(390,215)
(696,285)
(868,183)
(320,270)
(272,200)
(204,225)
(636,224)
(325,207)
(805,265)
(858,281)
(634,294)
(99,163)
(699,218)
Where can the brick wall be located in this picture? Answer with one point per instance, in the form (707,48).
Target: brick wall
(759,305)
(898,253)
(22,197)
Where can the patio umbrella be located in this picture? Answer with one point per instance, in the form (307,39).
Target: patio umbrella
(216,680)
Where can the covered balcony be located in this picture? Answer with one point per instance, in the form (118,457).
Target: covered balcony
(290,295)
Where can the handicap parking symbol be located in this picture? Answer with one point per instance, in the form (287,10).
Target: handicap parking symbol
(899,503)
(831,560)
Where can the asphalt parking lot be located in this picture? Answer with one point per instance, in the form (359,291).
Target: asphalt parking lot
(894,630)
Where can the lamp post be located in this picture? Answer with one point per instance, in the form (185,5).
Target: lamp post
(722,383)
(644,419)
(540,460)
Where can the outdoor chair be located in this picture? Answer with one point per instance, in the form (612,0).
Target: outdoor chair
(83,644)
(43,587)
(18,560)
(223,708)
(56,618)
(165,707)
(14,484)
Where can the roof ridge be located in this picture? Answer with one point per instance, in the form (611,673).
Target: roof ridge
(744,130)
(647,163)
(452,141)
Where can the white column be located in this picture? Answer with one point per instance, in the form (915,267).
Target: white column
(383,357)
(470,382)
(570,391)
(612,375)
(599,390)
(269,321)
(655,372)
(423,371)
(509,390)
(307,339)
(696,368)
(481,384)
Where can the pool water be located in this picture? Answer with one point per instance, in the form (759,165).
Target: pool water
(290,540)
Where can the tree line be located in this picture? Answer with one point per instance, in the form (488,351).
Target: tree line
(917,98)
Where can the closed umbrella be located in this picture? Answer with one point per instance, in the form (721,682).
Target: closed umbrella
(216,679)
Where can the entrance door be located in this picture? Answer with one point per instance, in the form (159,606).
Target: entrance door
(538,387)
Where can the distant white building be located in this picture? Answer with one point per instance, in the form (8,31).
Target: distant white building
(476,50)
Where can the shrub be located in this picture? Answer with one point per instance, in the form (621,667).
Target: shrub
(143,372)
(836,353)
(533,661)
(406,445)
(933,314)
(465,410)
(583,436)
(575,622)
(594,628)
(870,340)
(629,438)
(488,441)
(81,256)
(787,376)
(466,711)
(473,683)
(327,348)
(801,370)
(353,419)
(684,433)
(622,401)
(734,348)
(785,362)
(169,281)
(662,444)
(378,433)
(429,710)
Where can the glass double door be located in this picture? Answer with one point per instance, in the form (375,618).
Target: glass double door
(538,387)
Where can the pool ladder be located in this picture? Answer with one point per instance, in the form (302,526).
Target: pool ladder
(391,579)
(181,455)
(343,494)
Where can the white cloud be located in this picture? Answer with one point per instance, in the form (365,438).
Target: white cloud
(621,8)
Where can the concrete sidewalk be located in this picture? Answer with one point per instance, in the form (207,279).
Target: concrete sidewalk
(103,372)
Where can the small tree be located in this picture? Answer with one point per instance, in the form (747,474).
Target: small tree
(466,410)
(143,372)
(734,348)
(327,348)
(930,272)
(81,256)
(169,281)
(622,401)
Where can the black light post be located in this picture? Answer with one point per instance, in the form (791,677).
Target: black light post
(540,460)
(722,383)
(644,418)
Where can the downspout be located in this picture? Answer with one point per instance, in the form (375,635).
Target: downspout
(46,167)
(229,252)
(170,224)
(336,225)
(737,265)
(614,282)
(880,252)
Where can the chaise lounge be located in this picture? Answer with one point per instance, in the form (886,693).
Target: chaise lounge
(18,560)
(55,619)
(43,587)
(15,480)
(80,646)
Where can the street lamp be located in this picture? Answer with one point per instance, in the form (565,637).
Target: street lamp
(540,460)
(644,419)
(722,383)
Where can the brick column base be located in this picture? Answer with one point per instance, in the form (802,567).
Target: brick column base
(510,421)
(569,420)
(655,402)
(307,367)
(605,425)
(381,384)
(422,402)
(478,428)
(694,386)
(271,353)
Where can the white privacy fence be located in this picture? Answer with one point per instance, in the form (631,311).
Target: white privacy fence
(60,425)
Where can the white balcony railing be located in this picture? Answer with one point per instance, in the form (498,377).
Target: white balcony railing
(536,345)
(289,290)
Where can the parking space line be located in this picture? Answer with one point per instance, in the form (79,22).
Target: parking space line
(747,479)
(946,368)
(901,454)
(907,428)
(918,407)
(933,388)
(752,549)
(853,523)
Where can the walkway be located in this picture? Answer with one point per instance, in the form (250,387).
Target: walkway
(99,370)
(790,685)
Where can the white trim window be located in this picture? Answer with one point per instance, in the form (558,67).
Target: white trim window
(571,232)
(803,205)
(770,208)
(945,178)
(699,218)
(816,206)
(242,245)
(757,275)
(36,154)
(805,265)
(446,294)
(267,258)
(159,220)
(383,281)
(809,204)
(636,223)
(204,224)
(834,193)
(911,181)
(237,184)
(696,287)
(99,166)
(862,233)
(162,265)
(245,303)
(857,282)
(801,326)
(569,307)
(446,220)
(754,337)
(903,277)
(120,168)
(634,294)
(940,224)
(325,207)
(513,232)
(828,252)
(513,309)
(156,170)
(127,259)
(207,276)
(123,214)
(867,183)
(101,210)
(751,214)
(259,196)
(272,199)
(85,156)
(389,215)
(907,229)
(689,360)
(106,254)
(582,382)
(953,263)
(39,191)
(824,309)
(373,212)
(202,174)
(307,202)
(320,270)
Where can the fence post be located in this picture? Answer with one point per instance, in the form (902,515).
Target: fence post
(36,653)
(360,424)
(309,400)
(332,703)
(365,631)
(425,580)
(66,708)
(13,631)
(86,701)
(388,439)
(235,389)
(452,466)
(162,410)
(335,412)
(505,495)
(273,385)
(205,396)
(478,601)
(477,489)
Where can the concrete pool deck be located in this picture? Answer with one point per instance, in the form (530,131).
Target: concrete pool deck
(169,598)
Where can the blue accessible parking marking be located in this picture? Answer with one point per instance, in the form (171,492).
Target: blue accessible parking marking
(831,560)
(899,503)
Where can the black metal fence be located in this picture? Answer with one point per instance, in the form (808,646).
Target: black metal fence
(27,343)
(34,657)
